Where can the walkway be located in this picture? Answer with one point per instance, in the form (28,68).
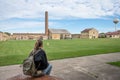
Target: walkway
(81,68)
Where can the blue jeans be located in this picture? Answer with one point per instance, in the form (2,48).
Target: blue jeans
(47,70)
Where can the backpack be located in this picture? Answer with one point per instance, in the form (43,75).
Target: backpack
(29,65)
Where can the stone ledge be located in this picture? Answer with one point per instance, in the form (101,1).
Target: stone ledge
(24,77)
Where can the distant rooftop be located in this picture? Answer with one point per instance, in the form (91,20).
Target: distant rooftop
(59,31)
(87,30)
(28,34)
(113,33)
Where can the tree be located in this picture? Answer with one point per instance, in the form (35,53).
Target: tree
(7,33)
(102,35)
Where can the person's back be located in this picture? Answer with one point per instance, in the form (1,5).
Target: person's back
(40,58)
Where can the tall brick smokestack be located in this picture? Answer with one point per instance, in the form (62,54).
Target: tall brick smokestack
(46,23)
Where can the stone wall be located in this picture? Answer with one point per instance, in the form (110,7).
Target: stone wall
(26,36)
(3,36)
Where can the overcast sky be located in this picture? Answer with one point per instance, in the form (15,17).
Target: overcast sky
(73,15)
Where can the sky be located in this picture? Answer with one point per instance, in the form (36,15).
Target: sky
(27,16)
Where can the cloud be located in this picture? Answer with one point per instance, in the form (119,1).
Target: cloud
(59,9)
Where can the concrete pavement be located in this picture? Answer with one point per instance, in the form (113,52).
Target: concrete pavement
(80,68)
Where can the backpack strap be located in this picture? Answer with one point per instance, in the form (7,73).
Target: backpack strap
(39,63)
(35,52)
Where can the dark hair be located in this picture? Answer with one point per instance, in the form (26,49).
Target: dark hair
(38,44)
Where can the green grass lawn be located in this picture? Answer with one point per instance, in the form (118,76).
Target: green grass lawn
(14,52)
(115,63)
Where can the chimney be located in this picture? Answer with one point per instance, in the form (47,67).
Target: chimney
(46,23)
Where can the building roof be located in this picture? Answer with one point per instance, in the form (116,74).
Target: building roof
(113,33)
(28,34)
(59,31)
(87,30)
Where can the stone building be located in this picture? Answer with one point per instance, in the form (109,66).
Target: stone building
(89,33)
(26,36)
(3,36)
(58,34)
(55,33)
(113,34)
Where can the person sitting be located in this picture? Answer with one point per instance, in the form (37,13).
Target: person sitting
(40,59)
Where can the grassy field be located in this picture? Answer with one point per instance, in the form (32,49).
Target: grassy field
(14,52)
(115,63)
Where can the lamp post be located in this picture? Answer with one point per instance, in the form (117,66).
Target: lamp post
(115,21)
